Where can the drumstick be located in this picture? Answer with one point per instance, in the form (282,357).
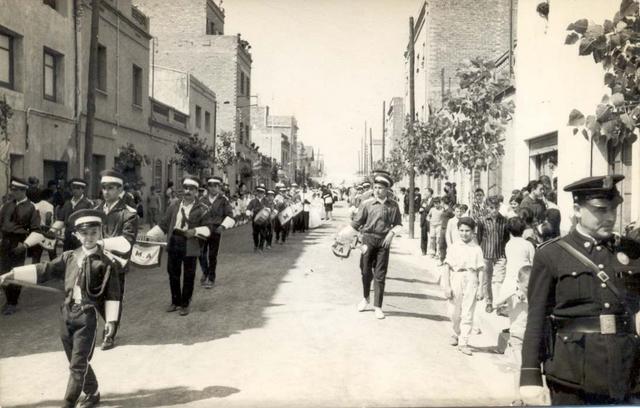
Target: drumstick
(30,285)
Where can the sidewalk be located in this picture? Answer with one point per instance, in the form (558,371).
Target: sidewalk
(409,251)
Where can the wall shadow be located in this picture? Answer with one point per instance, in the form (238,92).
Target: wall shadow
(421,296)
(437,318)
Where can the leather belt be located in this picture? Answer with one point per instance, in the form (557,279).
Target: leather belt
(603,324)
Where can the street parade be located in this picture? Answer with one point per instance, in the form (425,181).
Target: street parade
(202,203)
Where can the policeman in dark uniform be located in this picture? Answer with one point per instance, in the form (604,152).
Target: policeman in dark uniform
(91,283)
(18,217)
(78,201)
(121,220)
(583,298)
(379,220)
(219,209)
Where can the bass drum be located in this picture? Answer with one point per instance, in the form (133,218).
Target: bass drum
(262,217)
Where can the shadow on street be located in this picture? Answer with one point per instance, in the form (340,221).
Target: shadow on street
(246,282)
(152,398)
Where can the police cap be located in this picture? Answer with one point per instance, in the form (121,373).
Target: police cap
(597,191)
(82,219)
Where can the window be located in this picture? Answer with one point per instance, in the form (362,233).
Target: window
(102,68)
(161,110)
(246,131)
(198,116)
(241,140)
(248,86)
(137,85)
(157,175)
(50,3)
(242,83)
(207,121)
(620,162)
(6,61)
(179,174)
(180,118)
(169,172)
(50,75)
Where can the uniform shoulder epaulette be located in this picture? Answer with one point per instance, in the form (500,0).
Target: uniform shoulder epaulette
(545,243)
(130,209)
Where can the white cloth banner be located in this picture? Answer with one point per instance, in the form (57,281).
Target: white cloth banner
(146,256)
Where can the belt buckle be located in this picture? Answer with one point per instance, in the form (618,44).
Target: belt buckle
(607,324)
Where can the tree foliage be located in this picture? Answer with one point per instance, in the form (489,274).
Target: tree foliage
(6,112)
(127,162)
(193,155)
(466,133)
(225,151)
(615,44)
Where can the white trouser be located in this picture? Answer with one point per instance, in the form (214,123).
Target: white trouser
(463,303)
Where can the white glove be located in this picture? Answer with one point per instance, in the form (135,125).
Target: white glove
(8,275)
(532,394)
(249,213)
(347,234)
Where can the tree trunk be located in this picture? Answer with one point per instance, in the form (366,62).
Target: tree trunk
(412,113)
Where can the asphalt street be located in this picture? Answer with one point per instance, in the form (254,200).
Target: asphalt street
(278,329)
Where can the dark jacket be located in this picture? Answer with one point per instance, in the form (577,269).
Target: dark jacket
(197,218)
(560,285)
(218,210)
(122,220)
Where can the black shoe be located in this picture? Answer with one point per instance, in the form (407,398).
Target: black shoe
(203,279)
(171,308)
(108,343)
(184,310)
(89,401)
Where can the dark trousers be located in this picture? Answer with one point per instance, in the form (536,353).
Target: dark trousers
(305,221)
(203,260)
(282,231)
(259,235)
(424,239)
(210,249)
(8,261)
(37,251)
(374,268)
(268,233)
(442,243)
(181,284)
(563,395)
(78,335)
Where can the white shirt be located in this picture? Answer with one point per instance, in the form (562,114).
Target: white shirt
(187,211)
(464,256)
(108,207)
(44,207)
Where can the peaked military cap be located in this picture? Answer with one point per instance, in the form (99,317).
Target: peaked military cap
(190,181)
(19,183)
(598,191)
(383,178)
(86,218)
(111,177)
(78,182)
(261,188)
(214,180)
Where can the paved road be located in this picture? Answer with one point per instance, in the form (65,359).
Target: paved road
(279,329)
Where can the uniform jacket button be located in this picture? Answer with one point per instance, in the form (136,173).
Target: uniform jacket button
(601,266)
(598,248)
(606,305)
(574,273)
(604,285)
(587,244)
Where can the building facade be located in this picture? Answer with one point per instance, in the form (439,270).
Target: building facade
(287,126)
(552,79)
(222,62)
(445,34)
(48,81)
(394,122)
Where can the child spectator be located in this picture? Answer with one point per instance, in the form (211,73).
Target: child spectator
(513,293)
(435,227)
(452,235)
(464,262)
(153,206)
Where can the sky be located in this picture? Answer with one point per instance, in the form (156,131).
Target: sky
(330,63)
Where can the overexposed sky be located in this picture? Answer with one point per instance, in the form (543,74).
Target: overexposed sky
(330,63)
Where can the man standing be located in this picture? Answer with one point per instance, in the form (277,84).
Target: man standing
(478,209)
(305,198)
(583,302)
(120,220)
(18,218)
(219,209)
(257,223)
(181,223)
(492,235)
(78,201)
(378,219)
(534,201)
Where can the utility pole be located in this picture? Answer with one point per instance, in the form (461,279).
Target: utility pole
(91,91)
(384,112)
(412,113)
(371,148)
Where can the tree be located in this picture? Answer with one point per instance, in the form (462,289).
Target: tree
(6,112)
(193,155)
(615,45)
(225,152)
(469,128)
(127,162)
